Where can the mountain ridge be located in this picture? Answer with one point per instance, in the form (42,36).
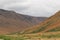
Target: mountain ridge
(11,21)
(49,24)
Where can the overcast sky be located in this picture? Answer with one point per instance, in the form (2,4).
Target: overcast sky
(32,7)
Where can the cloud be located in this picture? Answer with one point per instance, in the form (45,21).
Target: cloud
(32,7)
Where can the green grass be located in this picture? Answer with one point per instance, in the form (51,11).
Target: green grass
(51,36)
(24,37)
(4,37)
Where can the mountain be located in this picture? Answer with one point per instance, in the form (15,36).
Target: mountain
(52,24)
(11,21)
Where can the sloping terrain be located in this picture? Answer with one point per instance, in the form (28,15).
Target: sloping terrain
(52,24)
(11,21)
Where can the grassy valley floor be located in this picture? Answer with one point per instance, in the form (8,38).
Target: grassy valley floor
(42,36)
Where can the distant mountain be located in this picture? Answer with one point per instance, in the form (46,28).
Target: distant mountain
(52,24)
(11,21)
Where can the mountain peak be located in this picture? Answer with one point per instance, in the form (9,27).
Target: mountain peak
(58,12)
(3,10)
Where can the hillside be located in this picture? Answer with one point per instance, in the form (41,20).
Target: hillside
(11,21)
(52,24)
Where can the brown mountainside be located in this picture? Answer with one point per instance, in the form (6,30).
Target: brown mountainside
(11,21)
(52,24)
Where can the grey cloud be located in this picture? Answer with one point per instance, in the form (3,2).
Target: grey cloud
(32,7)
(19,8)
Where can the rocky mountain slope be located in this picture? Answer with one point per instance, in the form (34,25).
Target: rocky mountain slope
(52,24)
(11,21)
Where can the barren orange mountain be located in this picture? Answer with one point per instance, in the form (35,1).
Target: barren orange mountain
(11,21)
(52,24)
